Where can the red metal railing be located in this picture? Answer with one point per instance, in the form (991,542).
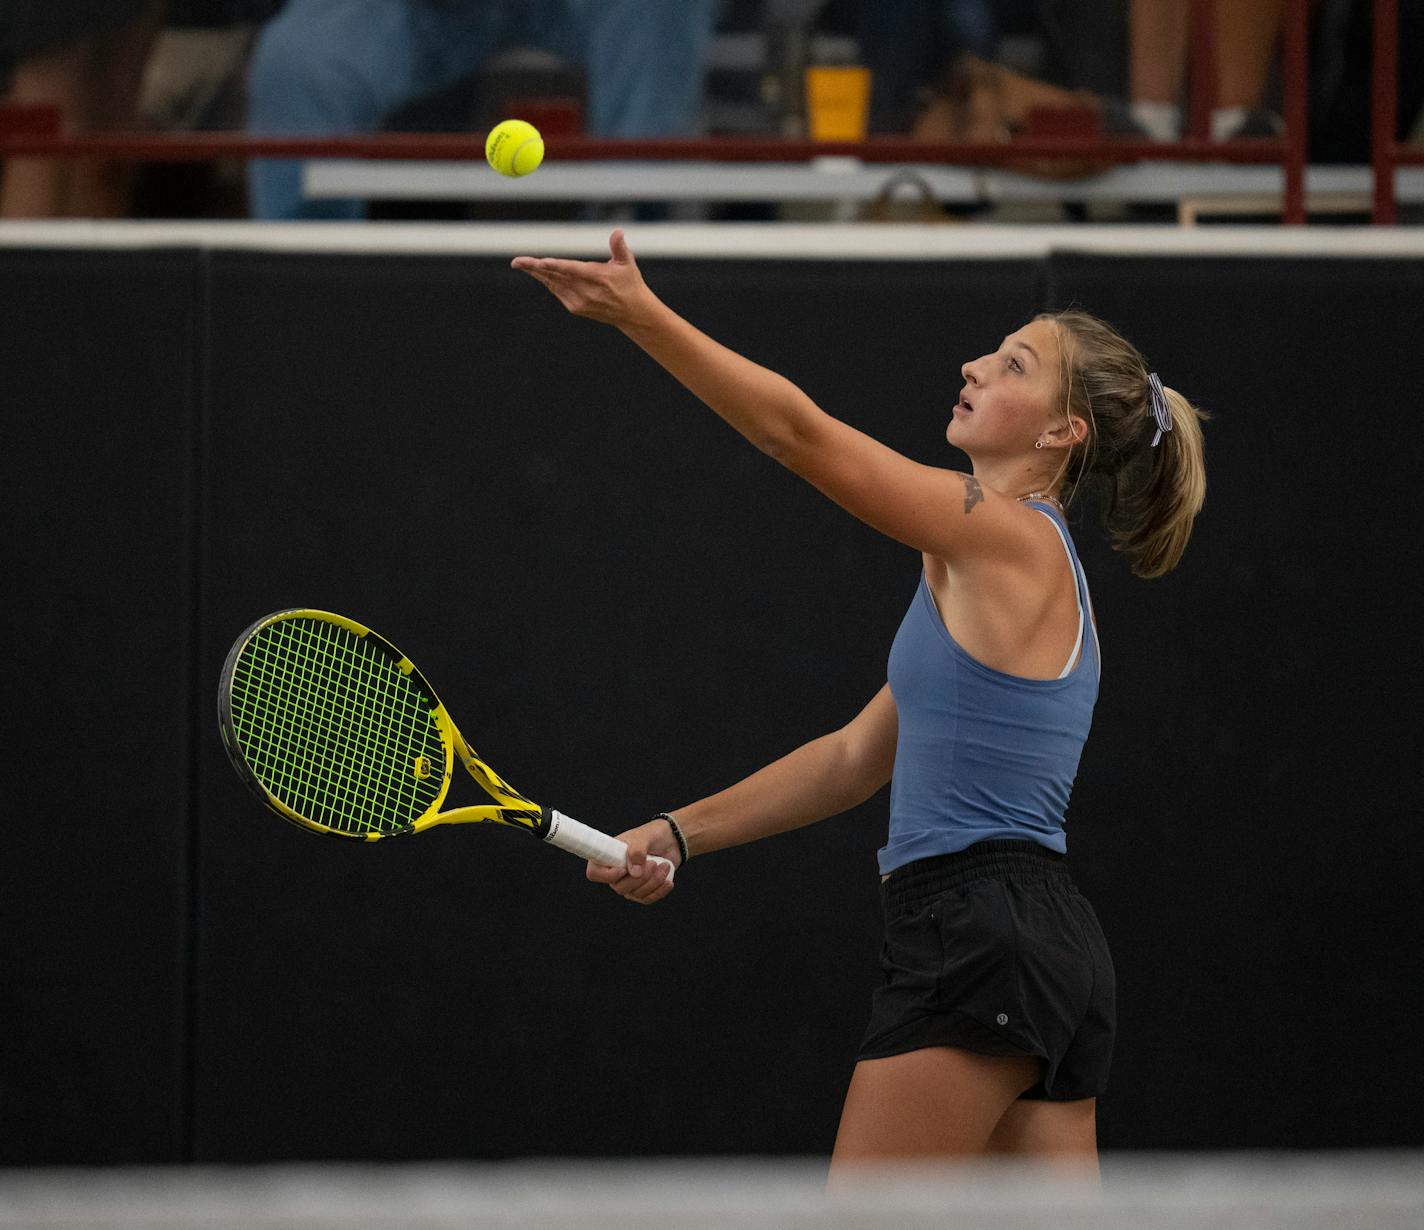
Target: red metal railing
(27,139)
(1387,152)
(1202,58)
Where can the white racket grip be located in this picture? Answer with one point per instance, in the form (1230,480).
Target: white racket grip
(568,834)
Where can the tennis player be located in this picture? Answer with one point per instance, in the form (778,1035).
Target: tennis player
(992,1028)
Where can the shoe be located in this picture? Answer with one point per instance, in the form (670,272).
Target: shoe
(1258,125)
(1118,120)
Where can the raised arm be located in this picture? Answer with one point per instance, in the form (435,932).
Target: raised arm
(942,512)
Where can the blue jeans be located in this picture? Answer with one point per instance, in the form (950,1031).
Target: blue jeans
(336,67)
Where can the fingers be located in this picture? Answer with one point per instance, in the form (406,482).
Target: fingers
(645,883)
(560,287)
(554,276)
(618,246)
(552,265)
(542,278)
(607,291)
(641,880)
(600,874)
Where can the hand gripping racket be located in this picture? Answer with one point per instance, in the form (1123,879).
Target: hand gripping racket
(333,728)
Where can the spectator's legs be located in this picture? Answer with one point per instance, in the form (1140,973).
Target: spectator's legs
(39,187)
(335,67)
(105,189)
(1157,54)
(95,83)
(1246,35)
(1247,32)
(646,62)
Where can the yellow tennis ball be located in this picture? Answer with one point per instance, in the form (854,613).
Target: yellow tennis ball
(514,148)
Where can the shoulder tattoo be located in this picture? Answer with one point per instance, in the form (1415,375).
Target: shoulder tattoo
(973,492)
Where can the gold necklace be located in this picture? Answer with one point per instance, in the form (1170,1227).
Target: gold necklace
(1041,495)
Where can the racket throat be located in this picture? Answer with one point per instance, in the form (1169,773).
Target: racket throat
(494,785)
(532,818)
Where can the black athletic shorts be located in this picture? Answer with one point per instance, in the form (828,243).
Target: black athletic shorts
(995,950)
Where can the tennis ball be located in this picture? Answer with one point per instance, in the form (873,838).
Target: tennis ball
(514,148)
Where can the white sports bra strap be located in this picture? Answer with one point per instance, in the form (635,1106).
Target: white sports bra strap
(1077,594)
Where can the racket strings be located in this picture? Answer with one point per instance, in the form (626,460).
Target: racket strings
(333,728)
(297,735)
(336,718)
(291,760)
(365,709)
(345,710)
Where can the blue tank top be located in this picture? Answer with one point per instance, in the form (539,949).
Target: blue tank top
(982,754)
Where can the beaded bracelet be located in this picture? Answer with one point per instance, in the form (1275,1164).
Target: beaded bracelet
(676,832)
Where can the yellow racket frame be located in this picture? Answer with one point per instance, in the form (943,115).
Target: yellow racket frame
(509,808)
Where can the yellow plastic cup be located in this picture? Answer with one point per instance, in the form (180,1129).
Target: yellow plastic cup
(838,102)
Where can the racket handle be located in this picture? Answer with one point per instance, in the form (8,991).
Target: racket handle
(568,834)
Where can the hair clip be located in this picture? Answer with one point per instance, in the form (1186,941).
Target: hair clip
(1161,411)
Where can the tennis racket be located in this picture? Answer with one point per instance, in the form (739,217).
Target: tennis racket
(334,729)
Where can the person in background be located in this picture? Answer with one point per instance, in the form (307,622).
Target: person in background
(1084,47)
(1341,80)
(1247,33)
(88,61)
(337,67)
(906,43)
(195,80)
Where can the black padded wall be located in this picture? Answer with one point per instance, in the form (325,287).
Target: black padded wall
(99,353)
(1248,772)
(625,606)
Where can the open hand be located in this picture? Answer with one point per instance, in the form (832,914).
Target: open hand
(611,291)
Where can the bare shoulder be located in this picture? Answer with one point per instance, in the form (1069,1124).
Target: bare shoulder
(947,513)
(1000,533)
(1013,613)
(1017,558)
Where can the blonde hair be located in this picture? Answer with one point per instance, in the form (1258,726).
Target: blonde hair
(1150,496)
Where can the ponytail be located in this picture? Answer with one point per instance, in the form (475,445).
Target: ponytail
(1151,495)
(1153,521)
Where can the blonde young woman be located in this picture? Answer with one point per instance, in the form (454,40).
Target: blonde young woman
(992,1028)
